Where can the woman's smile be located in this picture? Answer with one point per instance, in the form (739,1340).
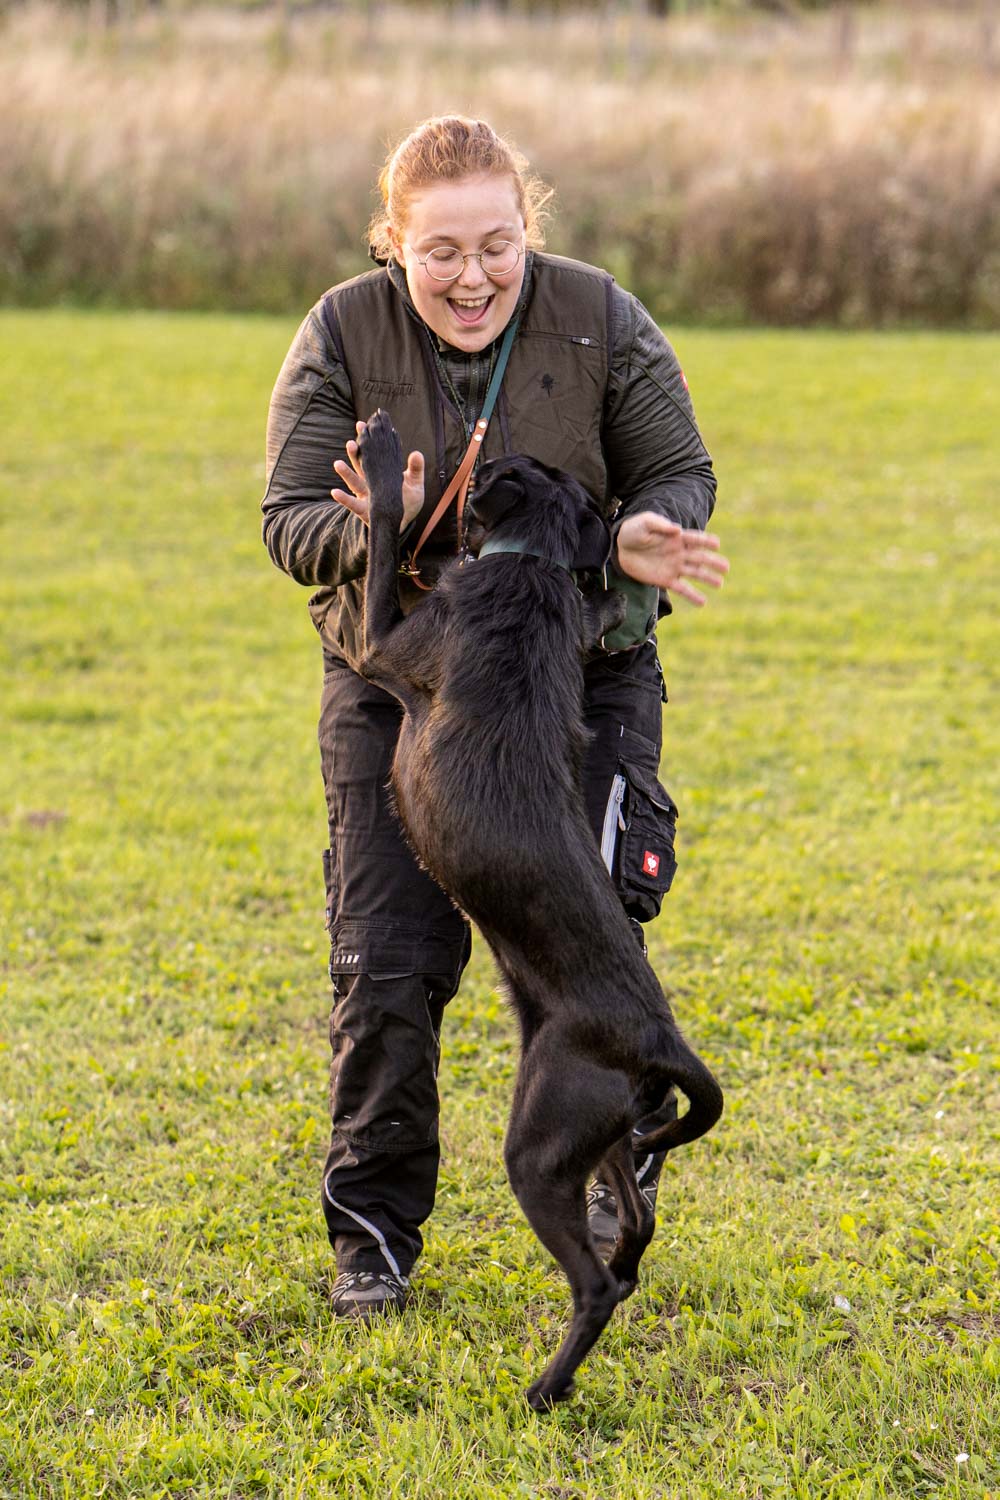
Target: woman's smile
(472,309)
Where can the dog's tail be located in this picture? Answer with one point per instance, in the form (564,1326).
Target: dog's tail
(699,1086)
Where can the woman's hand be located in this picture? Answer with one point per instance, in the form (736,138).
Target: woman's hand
(652,549)
(355,498)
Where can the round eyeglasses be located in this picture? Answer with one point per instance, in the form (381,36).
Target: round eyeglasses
(446,263)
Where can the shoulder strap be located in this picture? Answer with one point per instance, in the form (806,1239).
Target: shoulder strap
(463,474)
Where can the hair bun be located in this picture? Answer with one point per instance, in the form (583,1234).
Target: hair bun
(447,148)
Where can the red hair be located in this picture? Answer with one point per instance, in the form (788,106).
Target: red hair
(447,148)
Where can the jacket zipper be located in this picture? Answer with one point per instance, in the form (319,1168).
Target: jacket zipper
(572,338)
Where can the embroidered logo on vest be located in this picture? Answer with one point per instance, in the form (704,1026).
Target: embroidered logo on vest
(548,385)
(375,387)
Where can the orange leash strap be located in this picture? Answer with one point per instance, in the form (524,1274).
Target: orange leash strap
(459,486)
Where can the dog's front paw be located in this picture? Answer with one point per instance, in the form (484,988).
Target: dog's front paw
(381,455)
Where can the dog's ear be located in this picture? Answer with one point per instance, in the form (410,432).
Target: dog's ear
(495,495)
(593,547)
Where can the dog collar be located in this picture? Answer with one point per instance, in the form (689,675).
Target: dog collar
(491,547)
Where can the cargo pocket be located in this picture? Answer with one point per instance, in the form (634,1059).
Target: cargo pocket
(390,986)
(647,823)
(384,950)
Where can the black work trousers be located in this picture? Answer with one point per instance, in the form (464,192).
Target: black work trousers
(398,945)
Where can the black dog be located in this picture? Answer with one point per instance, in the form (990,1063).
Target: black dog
(487,785)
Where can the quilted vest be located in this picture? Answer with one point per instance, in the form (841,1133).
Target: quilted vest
(553,390)
(550,404)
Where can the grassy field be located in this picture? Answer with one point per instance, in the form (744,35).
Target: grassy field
(818,1315)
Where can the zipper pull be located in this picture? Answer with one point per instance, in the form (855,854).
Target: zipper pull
(612,817)
(618,793)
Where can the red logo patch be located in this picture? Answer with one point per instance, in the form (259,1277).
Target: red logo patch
(650,863)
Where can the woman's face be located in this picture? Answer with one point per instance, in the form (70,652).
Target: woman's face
(468,214)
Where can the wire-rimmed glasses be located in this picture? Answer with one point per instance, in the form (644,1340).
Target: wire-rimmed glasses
(447,263)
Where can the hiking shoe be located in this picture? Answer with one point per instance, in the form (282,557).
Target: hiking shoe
(602,1209)
(602,1218)
(368,1294)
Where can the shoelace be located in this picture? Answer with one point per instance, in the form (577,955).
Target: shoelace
(600,1194)
(368,1278)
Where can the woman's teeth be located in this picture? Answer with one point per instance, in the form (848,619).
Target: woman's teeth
(468,309)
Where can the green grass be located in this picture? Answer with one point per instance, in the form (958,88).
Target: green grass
(819,1312)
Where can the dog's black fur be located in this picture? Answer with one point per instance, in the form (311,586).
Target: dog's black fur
(487,785)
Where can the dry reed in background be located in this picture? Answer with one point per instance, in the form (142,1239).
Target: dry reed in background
(841,169)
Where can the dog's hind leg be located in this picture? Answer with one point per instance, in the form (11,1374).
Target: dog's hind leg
(636,1220)
(557,1213)
(564,1118)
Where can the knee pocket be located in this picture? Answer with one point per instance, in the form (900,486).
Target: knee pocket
(390,988)
(383,1079)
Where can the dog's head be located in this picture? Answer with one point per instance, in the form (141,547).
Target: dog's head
(539,507)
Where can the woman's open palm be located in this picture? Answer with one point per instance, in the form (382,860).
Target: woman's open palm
(355,497)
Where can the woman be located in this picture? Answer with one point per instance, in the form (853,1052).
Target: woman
(589,385)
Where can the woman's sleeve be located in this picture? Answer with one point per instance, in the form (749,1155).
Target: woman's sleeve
(655,456)
(310,420)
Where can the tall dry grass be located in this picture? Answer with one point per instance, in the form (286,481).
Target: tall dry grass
(843,168)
